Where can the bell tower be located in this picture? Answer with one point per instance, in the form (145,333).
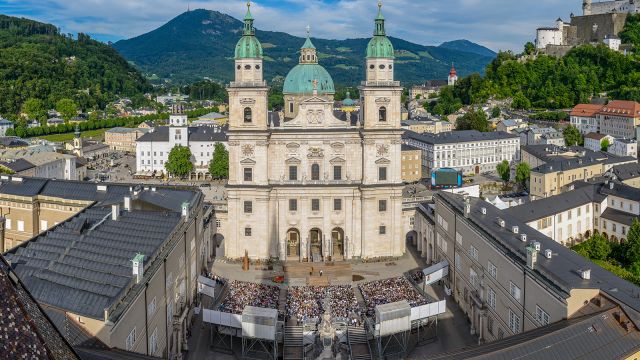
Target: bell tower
(248,92)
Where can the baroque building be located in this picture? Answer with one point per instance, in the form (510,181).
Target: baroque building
(312,183)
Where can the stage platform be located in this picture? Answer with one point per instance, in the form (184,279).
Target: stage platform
(301,274)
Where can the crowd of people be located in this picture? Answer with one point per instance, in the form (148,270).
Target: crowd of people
(243,294)
(417,276)
(306,303)
(389,291)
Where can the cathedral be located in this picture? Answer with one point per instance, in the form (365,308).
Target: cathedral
(310,183)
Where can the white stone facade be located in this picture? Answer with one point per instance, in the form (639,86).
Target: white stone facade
(604,7)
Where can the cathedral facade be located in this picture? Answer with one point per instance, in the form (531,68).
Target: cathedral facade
(311,183)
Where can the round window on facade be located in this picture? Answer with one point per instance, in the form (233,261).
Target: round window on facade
(257,67)
(247,67)
(239,67)
(390,67)
(381,66)
(372,67)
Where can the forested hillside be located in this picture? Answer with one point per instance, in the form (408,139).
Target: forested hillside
(39,63)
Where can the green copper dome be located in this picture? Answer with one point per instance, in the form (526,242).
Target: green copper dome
(248,46)
(380,46)
(300,80)
(308,75)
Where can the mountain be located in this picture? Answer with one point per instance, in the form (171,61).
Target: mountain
(469,47)
(37,62)
(201,43)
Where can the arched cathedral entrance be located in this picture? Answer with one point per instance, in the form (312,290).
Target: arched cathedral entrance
(337,241)
(315,245)
(293,244)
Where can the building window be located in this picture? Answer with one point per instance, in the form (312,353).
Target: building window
(382,205)
(315,172)
(382,114)
(514,322)
(382,230)
(151,308)
(44,225)
(458,263)
(248,174)
(490,325)
(291,107)
(493,271)
(382,174)
(337,172)
(473,278)
(491,298)
(514,290)
(293,205)
(20,225)
(8,226)
(337,204)
(541,316)
(473,252)
(500,334)
(293,173)
(247,231)
(131,339)
(247,115)
(248,207)
(153,342)
(315,204)
(458,238)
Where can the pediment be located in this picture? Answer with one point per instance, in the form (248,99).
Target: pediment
(314,100)
(337,160)
(293,160)
(383,161)
(247,162)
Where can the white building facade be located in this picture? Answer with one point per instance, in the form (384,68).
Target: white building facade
(469,151)
(313,184)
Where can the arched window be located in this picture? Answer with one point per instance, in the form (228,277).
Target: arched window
(382,114)
(315,172)
(247,115)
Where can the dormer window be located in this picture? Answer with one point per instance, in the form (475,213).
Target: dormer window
(247,115)
(382,114)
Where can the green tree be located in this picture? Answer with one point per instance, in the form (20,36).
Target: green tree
(496,112)
(504,170)
(179,163)
(67,108)
(34,108)
(219,165)
(529,48)
(604,144)
(473,120)
(572,136)
(10,132)
(520,101)
(594,248)
(523,173)
(632,245)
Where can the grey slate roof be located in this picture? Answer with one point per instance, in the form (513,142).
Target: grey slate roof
(196,133)
(575,163)
(598,336)
(626,171)
(18,165)
(460,136)
(12,141)
(87,271)
(618,216)
(561,271)
(546,207)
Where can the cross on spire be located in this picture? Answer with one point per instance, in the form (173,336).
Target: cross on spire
(308,30)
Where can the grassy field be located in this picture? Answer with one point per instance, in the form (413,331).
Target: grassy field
(69,136)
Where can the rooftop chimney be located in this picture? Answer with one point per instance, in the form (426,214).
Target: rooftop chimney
(484,211)
(611,185)
(467,206)
(523,237)
(127,203)
(138,267)
(185,210)
(536,245)
(515,229)
(548,253)
(532,257)
(501,222)
(115,212)
(585,274)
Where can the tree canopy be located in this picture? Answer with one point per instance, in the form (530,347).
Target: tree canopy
(504,170)
(572,136)
(179,163)
(523,173)
(219,165)
(473,120)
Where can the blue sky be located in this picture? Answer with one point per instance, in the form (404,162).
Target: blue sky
(497,24)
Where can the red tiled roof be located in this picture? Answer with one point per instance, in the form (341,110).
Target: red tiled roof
(586,110)
(621,108)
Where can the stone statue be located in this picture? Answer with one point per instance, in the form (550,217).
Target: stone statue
(327,335)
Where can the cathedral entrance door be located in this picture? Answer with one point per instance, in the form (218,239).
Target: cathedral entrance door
(293,244)
(337,239)
(315,238)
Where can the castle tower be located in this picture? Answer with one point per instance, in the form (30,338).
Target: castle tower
(77,142)
(178,126)
(586,7)
(453,76)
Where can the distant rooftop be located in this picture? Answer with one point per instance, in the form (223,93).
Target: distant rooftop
(460,136)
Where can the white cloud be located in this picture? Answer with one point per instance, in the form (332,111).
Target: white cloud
(498,24)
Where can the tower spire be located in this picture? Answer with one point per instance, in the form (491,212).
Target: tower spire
(248,21)
(379,21)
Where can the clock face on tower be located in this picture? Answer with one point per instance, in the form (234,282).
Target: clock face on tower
(247,150)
